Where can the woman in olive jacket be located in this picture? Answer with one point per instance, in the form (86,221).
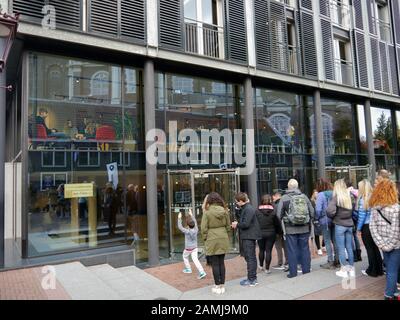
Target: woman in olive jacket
(215,226)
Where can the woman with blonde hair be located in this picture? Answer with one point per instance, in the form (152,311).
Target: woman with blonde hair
(385,230)
(363,212)
(340,210)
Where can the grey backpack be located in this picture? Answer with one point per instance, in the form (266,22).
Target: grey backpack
(298,213)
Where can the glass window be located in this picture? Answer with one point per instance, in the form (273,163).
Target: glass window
(382,130)
(282,123)
(82,116)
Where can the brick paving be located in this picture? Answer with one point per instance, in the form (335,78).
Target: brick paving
(26,284)
(172,273)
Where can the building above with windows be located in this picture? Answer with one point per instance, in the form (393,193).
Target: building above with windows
(317,81)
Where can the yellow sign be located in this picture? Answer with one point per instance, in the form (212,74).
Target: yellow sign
(79,190)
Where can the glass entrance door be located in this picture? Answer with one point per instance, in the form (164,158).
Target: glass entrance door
(187,189)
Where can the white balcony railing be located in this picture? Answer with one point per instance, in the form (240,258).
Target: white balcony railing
(340,13)
(344,72)
(204,39)
(384,31)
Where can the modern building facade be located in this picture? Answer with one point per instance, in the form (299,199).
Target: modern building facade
(317,80)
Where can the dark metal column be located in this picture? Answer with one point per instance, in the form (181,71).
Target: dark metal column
(319,135)
(370,141)
(250,145)
(151,170)
(2,160)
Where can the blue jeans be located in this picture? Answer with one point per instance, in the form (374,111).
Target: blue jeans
(298,252)
(328,233)
(392,261)
(356,244)
(344,242)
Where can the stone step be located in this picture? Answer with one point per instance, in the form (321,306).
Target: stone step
(127,288)
(82,284)
(157,289)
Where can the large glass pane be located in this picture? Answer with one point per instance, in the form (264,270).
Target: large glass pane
(83,117)
(283,139)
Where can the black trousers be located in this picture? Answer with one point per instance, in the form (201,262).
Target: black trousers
(375,267)
(249,250)
(218,268)
(266,244)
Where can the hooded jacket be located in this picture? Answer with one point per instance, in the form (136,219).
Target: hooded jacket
(269,223)
(190,234)
(321,206)
(215,227)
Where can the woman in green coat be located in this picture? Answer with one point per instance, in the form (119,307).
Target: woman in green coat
(215,225)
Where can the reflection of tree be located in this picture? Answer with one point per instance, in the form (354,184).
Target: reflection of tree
(384,133)
(342,135)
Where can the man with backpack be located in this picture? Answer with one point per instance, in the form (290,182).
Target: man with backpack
(296,214)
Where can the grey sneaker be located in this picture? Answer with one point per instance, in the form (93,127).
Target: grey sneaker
(279,267)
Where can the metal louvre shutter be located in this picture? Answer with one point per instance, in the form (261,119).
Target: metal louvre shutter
(396,19)
(170,23)
(327,41)
(376,65)
(361,58)
(279,41)
(308,45)
(263,41)
(133,19)
(103,17)
(236,32)
(358,14)
(68,13)
(306,4)
(393,70)
(384,67)
(324,8)
(30,10)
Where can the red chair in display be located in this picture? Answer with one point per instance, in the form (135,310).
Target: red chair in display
(105,134)
(40,136)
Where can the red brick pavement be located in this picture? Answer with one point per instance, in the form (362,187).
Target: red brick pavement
(172,273)
(25,284)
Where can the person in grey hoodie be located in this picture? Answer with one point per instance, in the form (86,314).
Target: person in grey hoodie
(297,235)
(191,245)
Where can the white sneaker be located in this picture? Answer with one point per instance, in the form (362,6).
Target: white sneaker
(215,289)
(267,271)
(342,272)
(319,252)
(324,249)
(364,272)
(260,268)
(222,288)
(352,272)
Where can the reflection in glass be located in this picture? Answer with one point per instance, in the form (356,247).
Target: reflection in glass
(83,115)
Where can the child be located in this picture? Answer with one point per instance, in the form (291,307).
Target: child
(191,245)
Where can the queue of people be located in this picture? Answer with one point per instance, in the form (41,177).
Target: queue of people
(339,213)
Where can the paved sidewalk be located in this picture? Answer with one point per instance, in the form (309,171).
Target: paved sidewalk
(103,282)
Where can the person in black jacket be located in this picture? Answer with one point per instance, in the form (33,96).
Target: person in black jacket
(270,226)
(249,233)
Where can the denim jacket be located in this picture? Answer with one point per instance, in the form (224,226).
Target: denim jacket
(320,207)
(363,216)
